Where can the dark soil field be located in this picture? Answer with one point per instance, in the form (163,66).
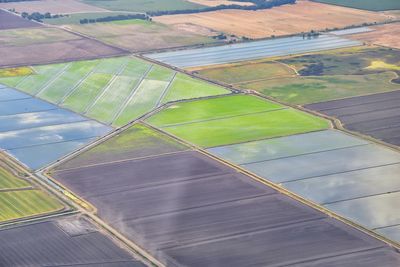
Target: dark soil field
(64,242)
(374,115)
(193,211)
(11,21)
(48,45)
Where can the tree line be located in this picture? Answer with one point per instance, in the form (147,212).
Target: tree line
(117,17)
(258,4)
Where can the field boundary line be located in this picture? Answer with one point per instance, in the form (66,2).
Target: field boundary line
(8,190)
(166,90)
(340,172)
(10,100)
(77,85)
(392,225)
(53,79)
(281,189)
(131,95)
(361,197)
(223,118)
(24,79)
(306,154)
(106,87)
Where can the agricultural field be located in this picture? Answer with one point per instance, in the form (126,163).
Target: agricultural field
(383,35)
(66,241)
(75,18)
(191,206)
(21,47)
(278,21)
(220,2)
(143,5)
(11,21)
(373,115)
(200,57)
(314,77)
(114,91)
(365,4)
(233,119)
(330,168)
(38,133)
(140,35)
(21,199)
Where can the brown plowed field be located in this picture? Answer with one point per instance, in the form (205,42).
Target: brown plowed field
(386,35)
(52,6)
(12,21)
(288,19)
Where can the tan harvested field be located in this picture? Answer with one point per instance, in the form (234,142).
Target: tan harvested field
(386,35)
(52,6)
(219,2)
(137,36)
(21,47)
(288,19)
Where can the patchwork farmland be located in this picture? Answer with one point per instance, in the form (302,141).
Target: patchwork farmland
(19,198)
(233,119)
(332,169)
(205,208)
(250,50)
(114,91)
(38,133)
(303,16)
(233,152)
(314,77)
(45,45)
(67,241)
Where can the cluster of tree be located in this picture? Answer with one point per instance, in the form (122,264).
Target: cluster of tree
(258,4)
(315,69)
(118,17)
(311,34)
(39,16)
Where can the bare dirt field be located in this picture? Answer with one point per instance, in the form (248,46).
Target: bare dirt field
(386,35)
(52,6)
(136,35)
(11,21)
(288,19)
(47,45)
(219,2)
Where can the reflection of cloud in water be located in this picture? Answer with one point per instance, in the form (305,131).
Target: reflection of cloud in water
(373,212)
(30,118)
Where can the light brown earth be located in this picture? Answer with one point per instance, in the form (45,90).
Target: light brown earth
(386,35)
(137,36)
(219,2)
(288,19)
(52,6)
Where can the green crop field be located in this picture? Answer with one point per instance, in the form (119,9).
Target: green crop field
(249,71)
(204,130)
(323,76)
(75,18)
(214,108)
(372,5)
(24,203)
(19,198)
(9,181)
(114,90)
(143,5)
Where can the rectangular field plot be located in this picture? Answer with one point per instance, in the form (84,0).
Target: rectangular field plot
(38,133)
(12,21)
(69,241)
(26,203)
(136,142)
(114,91)
(328,168)
(365,4)
(374,211)
(44,45)
(324,163)
(229,125)
(280,148)
(250,50)
(373,115)
(8,180)
(191,206)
